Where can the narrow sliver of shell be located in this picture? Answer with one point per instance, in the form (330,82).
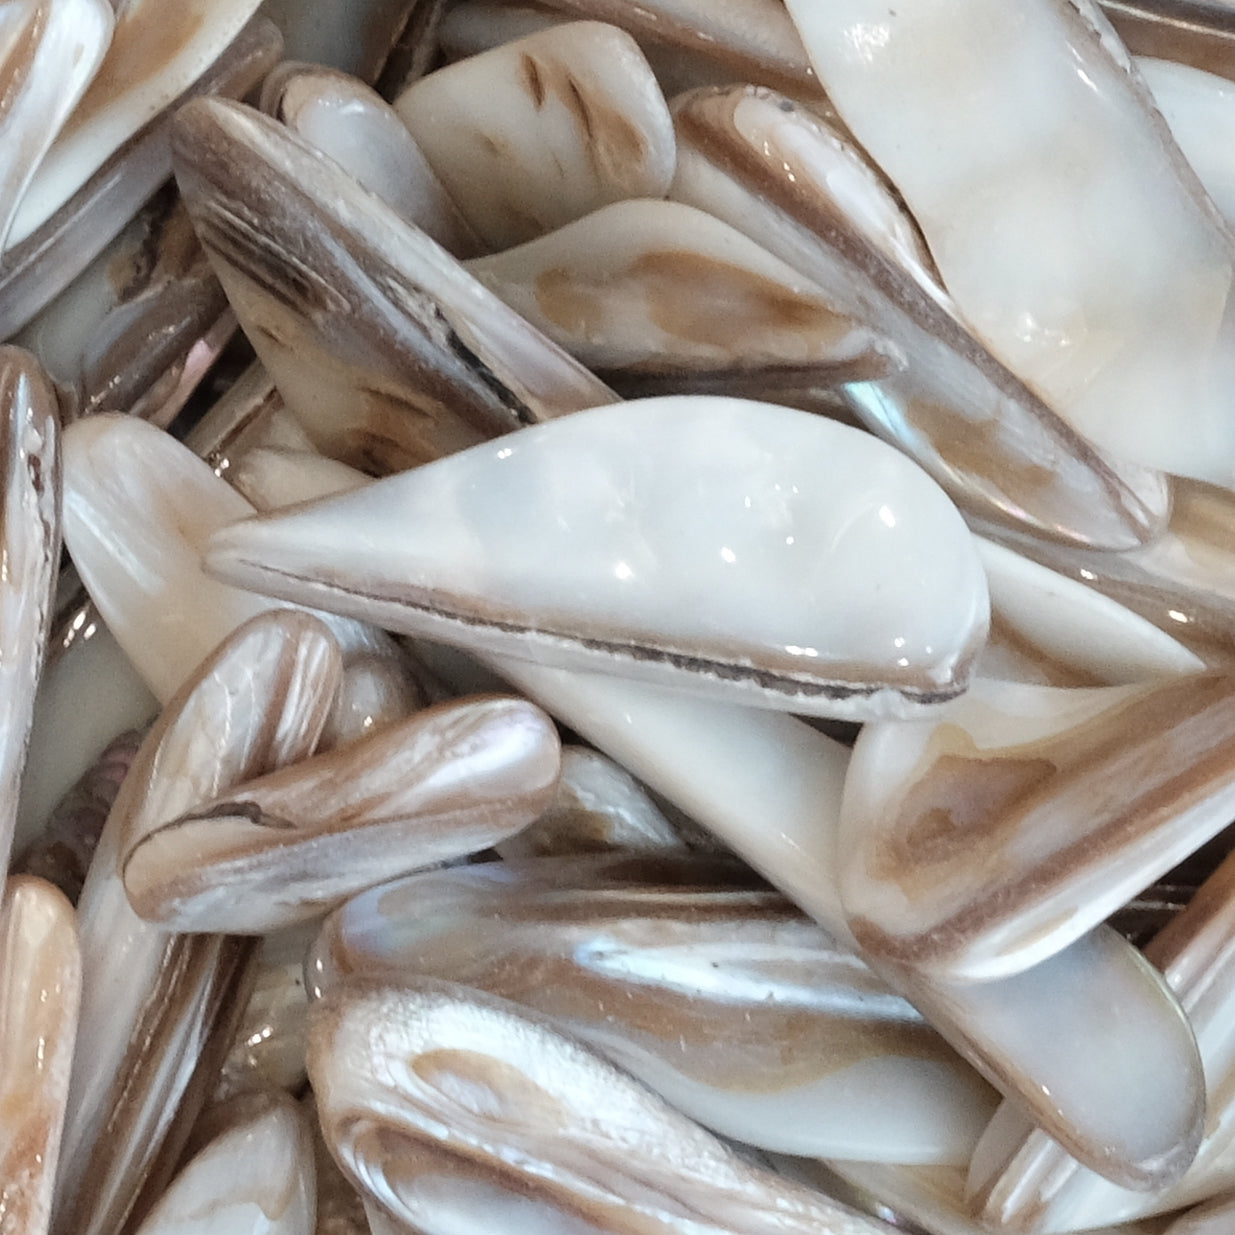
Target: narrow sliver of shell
(30,506)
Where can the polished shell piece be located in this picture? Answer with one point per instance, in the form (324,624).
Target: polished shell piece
(799,188)
(129,484)
(1023,1180)
(597,806)
(535,133)
(728,1002)
(447,782)
(153,1003)
(40,989)
(660,287)
(450,1108)
(1066,634)
(49,51)
(1093,1045)
(139,508)
(155,54)
(34,271)
(1062,218)
(255,1178)
(355,126)
(389,353)
(736,549)
(30,554)
(978,846)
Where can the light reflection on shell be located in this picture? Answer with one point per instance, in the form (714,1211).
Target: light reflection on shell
(386,354)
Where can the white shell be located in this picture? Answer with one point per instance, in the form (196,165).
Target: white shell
(156,53)
(1062,218)
(979,845)
(739,549)
(538,132)
(49,51)
(256,1178)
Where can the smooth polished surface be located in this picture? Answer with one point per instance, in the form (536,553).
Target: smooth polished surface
(759,554)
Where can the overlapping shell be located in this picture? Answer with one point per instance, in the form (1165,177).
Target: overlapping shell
(984,253)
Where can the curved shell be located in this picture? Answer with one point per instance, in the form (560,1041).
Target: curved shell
(731,548)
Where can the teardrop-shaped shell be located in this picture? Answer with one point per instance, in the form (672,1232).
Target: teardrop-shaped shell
(759,553)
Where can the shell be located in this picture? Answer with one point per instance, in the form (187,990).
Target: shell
(728,1002)
(976,847)
(1115,258)
(355,126)
(705,565)
(152,1002)
(798,188)
(383,346)
(40,989)
(30,551)
(447,782)
(662,288)
(449,1108)
(544,130)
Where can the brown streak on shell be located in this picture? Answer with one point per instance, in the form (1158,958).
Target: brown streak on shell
(703,119)
(1122,763)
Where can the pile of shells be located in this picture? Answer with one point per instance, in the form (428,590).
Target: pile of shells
(645,633)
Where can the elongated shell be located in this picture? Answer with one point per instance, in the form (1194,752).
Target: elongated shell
(976,848)
(728,1002)
(1064,221)
(736,549)
(449,781)
(40,990)
(389,353)
(150,1000)
(450,1108)
(30,501)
